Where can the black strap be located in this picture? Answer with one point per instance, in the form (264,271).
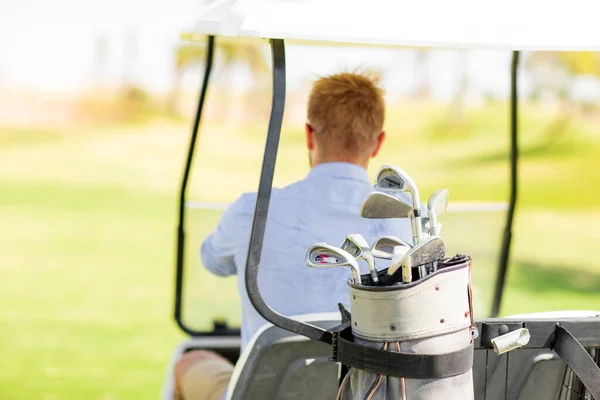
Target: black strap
(402,365)
(346,316)
(578,359)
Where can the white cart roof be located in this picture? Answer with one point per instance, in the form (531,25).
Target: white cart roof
(474,24)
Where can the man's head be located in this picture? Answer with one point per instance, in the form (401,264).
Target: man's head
(345,119)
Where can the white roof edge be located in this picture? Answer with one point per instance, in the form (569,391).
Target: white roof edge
(457,24)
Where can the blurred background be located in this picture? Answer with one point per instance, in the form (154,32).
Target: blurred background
(96,105)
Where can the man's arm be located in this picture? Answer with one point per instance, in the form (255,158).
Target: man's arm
(218,249)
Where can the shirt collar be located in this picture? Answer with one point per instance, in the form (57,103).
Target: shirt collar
(343,170)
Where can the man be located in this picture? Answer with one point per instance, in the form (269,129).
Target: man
(344,131)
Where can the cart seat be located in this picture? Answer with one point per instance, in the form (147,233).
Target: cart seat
(278,364)
(532,373)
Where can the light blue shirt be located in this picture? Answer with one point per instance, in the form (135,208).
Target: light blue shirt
(323,207)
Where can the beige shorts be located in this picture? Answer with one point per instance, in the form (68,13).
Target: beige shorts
(207,379)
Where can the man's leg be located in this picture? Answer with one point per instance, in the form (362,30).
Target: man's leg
(201,375)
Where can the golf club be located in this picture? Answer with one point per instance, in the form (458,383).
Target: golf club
(393,179)
(384,247)
(382,205)
(425,225)
(437,206)
(397,257)
(430,250)
(322,255)
(358,247)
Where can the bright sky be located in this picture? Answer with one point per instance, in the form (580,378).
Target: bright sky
(49,45)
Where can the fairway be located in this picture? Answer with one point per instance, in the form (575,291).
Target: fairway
(88,223)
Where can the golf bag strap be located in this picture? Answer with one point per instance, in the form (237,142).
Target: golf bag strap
(402,365)
(346,316)
(578,359)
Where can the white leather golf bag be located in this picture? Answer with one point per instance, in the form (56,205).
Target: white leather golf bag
(430,321)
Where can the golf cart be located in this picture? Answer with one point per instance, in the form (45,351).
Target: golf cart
(301,357)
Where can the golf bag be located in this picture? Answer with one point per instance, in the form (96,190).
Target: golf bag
(428,324)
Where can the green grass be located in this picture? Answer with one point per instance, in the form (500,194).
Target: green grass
(88,217)
(86,293)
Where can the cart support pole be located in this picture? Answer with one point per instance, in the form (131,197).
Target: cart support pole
(186,174)
(514,156)
(262,206)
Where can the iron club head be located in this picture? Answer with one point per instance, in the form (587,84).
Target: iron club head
(429,250)
(394,179)
(437,206)
(384,247)
(382,205)
(358,247)
(322,255)
(390,178)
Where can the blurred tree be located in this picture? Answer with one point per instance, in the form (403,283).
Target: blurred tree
(552,71)
(186,56)
(580,63)
(553,76)
(549,76)
(230,55)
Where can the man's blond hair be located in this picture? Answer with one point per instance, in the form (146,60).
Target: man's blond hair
(346,111)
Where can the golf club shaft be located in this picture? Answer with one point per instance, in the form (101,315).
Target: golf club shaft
(356,276)
(371,263)
(417,212)
(432,221)
(407,273)
(415,232)
(374,276)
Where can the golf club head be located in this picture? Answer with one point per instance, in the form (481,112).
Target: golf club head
(437,206)
(393,179)
(355,242)
(438,202)
(429,250)
(357,246)
(382,205)
(322,255)
(384,247)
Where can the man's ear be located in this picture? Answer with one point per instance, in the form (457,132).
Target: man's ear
(380,140)
(310,137)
